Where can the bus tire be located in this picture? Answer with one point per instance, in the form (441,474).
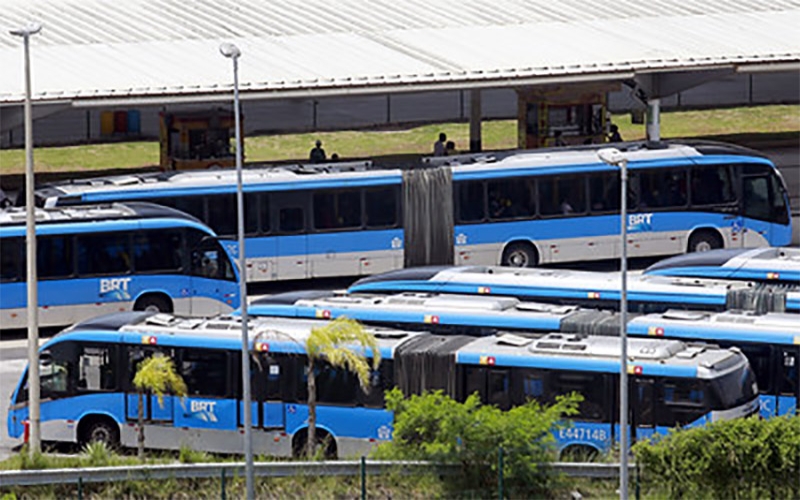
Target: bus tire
(520,255)
(703,241)
(325,442)
(578,453)
(153,303)
(98,429)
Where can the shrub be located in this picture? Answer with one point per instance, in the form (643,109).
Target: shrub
(742,458)
(434,427)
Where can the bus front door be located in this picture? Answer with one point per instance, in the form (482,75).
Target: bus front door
(290,220)
(154,411)
(267,401)
(214,289)
(788,381)
(756,211)
(642,406)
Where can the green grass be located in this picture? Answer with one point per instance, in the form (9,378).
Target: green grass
(499,134)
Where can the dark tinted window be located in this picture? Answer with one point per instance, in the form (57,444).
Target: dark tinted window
(712,185)
(470,201)
(511,198)
(381,380)
(755,191)
(192,205)
(562,195)
(205,372)
(158,251)
(290,220)
(604,192)
(590,385)
(54,257)
(102,254)
(11,268)
(335,385)
(337,210)
(662,188)
(381,207)
(223,215)
(682,402)
(788,380)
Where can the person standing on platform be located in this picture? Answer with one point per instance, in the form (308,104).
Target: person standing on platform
(439,146)
(317,155)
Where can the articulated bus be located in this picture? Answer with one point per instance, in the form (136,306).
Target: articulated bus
(771,341)
(99,259)
(765,265)
(515,209)
(646,293)
(88,394)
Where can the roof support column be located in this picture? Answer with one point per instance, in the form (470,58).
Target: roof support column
(654,119)
(474,120)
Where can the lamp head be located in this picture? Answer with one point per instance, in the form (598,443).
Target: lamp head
(230,50)
(611,156)
(30,29)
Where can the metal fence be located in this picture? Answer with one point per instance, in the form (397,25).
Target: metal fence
(268,469)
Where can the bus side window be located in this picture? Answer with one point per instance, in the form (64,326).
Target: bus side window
(755,197)
(789,372)
(58,370)
(205,372)
(134,357)
(589,385)
(712,184)
(290,220)
(54,257)
(104,254)
(96,369)
(380,207)
(471,201)
(11,260)
(158,251)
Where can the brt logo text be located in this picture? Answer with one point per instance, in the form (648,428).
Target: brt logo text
(114,284)
(639,222)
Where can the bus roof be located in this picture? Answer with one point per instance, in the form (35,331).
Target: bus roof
(645,356)
(129,214)
(277,178)
(417,308)
(638,152)
(84,213)
(772,262)
(224,332)
(733,326)
(483,278)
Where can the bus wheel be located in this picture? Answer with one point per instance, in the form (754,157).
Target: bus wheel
(99,430)
(325,442)
(703,241)
(153,303)
(578,453)
(520,255)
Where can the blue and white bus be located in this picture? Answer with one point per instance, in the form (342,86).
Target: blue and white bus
(771,342)
(646,293)
(88,395)
(515,209)
(766,265)
(99,259)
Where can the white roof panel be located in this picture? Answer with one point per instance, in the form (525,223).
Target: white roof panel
(95,49)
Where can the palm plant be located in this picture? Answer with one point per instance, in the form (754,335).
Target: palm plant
(156,375)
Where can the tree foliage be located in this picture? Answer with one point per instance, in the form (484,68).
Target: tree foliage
(435,427)
(741,458)
(342,343)
(156,375)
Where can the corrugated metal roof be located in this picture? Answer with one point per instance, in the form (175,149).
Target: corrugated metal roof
(95,49)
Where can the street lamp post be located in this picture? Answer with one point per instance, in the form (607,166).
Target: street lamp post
(613,156)
(231,51)
(34,439)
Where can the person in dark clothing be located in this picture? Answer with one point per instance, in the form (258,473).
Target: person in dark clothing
(317,154)
(614,135)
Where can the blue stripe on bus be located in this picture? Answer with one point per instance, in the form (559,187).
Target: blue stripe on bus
(94,227)
(459,318)
(739,273)
(570,363)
